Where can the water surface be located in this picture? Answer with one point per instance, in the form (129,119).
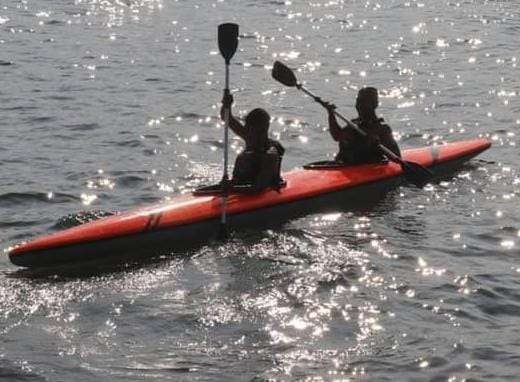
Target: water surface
(106,105)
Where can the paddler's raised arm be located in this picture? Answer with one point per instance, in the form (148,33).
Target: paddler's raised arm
(337,133)
(234,124)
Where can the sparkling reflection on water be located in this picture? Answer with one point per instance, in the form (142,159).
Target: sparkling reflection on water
(109,104)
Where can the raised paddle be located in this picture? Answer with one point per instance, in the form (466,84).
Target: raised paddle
(227,44)
(413,172)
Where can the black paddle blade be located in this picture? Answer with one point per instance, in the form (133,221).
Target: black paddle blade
(283,74)
(417,174)
(227,40)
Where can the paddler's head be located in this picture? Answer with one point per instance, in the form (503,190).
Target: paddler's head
(257,123)
(367,101)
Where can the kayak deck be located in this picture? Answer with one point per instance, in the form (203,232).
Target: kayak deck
(186,213)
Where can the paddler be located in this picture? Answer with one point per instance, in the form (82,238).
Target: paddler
(260,162)
(353,147)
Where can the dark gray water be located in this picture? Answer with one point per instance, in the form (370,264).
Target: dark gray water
(107,104)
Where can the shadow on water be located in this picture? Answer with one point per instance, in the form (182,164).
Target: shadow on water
(86,270)
(11,372)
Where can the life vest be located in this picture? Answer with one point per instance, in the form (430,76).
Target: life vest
(259,168)
(359,150)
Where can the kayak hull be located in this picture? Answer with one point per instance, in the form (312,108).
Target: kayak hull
(181,238)
(189,221)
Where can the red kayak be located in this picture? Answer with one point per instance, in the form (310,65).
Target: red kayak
(175,225)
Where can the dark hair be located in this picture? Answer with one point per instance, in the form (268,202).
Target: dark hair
(367,98)
(257,123)
(258,118)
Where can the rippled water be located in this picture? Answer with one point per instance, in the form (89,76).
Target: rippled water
(107,104)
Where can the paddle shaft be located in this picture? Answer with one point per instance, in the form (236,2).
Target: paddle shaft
(225,176)
(227,44)
(389,153)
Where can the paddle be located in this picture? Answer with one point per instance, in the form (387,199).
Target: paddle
(227,44)
(413,172)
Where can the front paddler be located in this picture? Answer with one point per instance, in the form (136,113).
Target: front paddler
(353,147)
(260,162)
